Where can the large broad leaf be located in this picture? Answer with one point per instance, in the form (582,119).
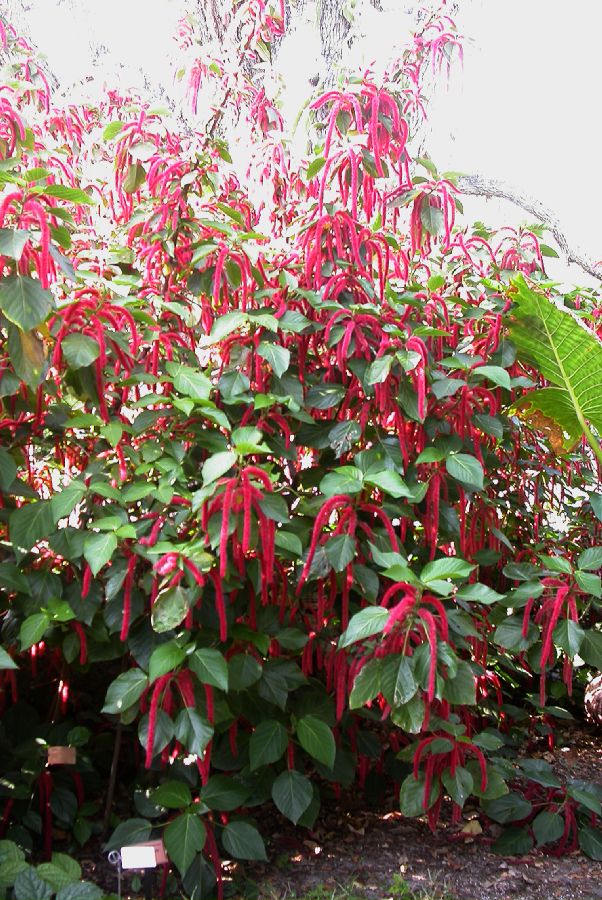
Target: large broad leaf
(317,739)
(243,841)
(364,624)
(268,743)
(12,242)
(30,523)
(184,837)
(131,831)
(125,691)
(24,301)
(98,550)
(292,793)
(210,667)
(567,354)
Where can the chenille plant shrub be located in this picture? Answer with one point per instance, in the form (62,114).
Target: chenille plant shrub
(275,516)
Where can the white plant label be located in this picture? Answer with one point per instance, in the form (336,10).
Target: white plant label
(138,856)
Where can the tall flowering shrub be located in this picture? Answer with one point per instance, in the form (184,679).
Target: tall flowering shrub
(269,509)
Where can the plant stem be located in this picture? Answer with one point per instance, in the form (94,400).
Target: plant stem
(112,780)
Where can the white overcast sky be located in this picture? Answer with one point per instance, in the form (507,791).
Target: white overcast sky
(524,109)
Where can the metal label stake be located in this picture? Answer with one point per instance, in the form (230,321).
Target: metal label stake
(114,858)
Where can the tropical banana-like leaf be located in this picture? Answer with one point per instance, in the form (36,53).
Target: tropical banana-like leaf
(559,345)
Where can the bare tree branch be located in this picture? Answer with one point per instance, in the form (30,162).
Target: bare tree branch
(479,186)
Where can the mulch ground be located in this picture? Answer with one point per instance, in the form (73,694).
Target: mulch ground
(364,851)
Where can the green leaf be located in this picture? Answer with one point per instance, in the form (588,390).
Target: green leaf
(547,827)
(591,648)
(461,689)
(596,504)
(410,716)
(567,353)
(29,886)
(30,524)
(389,482)
(6,661)
(82,890)
(172,794)
(243,841)
(80,350)
(366,685)
(12,242)
(325,396)
(8,469)
(278,357)
(509,634)
(267,744)
(513,842)
(315,166)
(64,502)
(224,793)
(431,217)
(512,807)
(379,370)
(582,792)
(112,130)
(411,796)
(184,837)
(465,469)
(343,436)
(317,739)
(292,793)
(540,771)
(33,630)
(56,877)
(591,584)
(447,567)
(431,454)
(363,624)
(340,550)
(590,841)
(98,550)
(189,382)
(569,636)
(344,480)
(9,869)
(210,667)
(193,731)
(132,831)
(170,608)
(479,593)
(495,374)
(405,683)
(590,560)
(217,465)
(447,387)
(164,659)
(243,671)
(459,785)
(226,324)
(135,178)
(125,691)
(27,354)
(63,192)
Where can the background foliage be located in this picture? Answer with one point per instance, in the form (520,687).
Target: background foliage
(280,504)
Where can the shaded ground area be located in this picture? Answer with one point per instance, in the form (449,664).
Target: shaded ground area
(367,853)
(353,853)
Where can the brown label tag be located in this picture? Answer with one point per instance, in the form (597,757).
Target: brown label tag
(62,756)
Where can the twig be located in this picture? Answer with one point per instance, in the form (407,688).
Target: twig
(112,780)
(479,186)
